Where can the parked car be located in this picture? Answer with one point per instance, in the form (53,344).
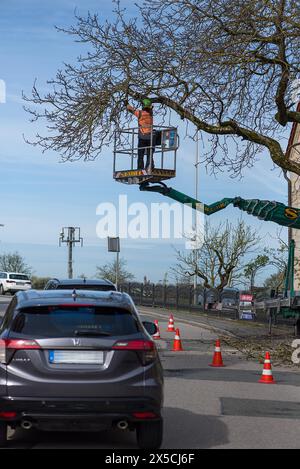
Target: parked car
(80,284)
(11,282)
(80,362)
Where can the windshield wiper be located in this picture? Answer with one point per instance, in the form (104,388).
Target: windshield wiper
(89,333)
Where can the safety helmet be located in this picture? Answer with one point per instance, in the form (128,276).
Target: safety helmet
(147,102)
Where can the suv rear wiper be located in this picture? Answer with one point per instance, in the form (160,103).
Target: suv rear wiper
(89,333)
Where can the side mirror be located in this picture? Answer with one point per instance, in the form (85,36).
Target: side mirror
(150,327)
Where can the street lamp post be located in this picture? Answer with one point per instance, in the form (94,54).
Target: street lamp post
(197,162)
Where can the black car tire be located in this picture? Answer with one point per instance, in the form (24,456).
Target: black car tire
(3,434)
(2,292)
(149,434)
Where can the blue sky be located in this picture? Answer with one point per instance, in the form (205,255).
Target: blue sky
(39,194)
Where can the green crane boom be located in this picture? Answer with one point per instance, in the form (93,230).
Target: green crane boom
(263,209)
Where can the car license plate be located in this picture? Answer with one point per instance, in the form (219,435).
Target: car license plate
(19,283)
(74,357)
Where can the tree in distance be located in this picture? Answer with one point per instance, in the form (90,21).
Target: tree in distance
(253,267)
(14,262)
(221,257)
(108,271)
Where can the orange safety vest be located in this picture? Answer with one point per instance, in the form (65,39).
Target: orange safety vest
(145,120)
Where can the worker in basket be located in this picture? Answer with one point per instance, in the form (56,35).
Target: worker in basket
(146,141)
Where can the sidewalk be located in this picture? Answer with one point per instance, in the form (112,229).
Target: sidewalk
(237,328)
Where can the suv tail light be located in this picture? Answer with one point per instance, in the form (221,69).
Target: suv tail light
(145,415)
(15,344)
(145,349)
(8,415)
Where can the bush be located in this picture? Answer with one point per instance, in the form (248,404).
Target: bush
(38,283)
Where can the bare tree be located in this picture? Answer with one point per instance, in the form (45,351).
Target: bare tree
(108,271)
(14,262)
(279,259)
(272,256)
(253,267)
(275,281)
(279,255)
(221,258)
(226,66)
(268,257)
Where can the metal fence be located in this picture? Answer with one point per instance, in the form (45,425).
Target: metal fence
(179,297)
(199,300)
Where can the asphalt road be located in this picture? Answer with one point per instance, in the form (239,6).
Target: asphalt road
(204,407)
(4,301)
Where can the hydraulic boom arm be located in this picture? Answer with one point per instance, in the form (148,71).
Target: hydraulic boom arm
(263,209)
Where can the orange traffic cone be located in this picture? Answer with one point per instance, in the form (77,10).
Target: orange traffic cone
(217,360)
(171,327)
(156,336)
(177,345)
(267,375)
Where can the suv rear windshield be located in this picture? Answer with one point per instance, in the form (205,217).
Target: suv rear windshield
(69,321)
(85,287)
(18,277)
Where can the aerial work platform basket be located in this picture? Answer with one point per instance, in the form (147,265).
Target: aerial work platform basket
(163,145)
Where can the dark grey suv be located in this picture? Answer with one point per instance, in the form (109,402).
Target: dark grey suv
(79,361)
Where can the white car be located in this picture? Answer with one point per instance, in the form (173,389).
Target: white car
(13,281)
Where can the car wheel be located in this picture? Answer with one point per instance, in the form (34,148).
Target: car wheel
(149,435)
(3,434)
(2,292)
